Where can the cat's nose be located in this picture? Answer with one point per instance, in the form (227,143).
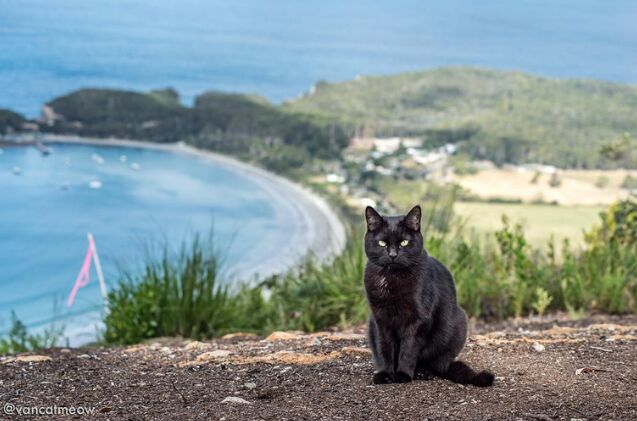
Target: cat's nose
(393,254)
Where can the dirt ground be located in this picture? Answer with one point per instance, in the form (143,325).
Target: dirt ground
(546,369)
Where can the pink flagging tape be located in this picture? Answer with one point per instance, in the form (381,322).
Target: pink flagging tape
(84,276)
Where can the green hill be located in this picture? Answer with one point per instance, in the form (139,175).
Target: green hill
(502,116)
(244,125)
(112,113)
(10,121)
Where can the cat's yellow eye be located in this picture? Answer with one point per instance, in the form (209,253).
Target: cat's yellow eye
(404,243)
(382,243)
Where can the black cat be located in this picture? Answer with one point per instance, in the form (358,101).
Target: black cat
(416,328)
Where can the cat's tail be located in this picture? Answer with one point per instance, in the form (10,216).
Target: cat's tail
(460,372)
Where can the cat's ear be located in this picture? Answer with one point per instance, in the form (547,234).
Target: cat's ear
(374,220)
(412,220)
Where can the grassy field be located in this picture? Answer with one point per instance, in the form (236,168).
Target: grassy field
(540,221)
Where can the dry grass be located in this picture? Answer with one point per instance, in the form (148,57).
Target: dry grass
(577,187)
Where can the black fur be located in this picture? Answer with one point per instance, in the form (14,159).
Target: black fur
(416,328)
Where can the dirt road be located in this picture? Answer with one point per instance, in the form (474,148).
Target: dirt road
(546,370)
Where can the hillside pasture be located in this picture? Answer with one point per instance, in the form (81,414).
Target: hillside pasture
(575,188)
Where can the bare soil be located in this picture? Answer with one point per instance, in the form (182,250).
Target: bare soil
(546,369)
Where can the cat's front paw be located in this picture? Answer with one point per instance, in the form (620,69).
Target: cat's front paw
(382,377)
(402,377)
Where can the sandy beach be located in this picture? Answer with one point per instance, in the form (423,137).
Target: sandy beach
(322,236)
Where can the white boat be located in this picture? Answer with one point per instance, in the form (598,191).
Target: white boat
(44,150)
(98,159)
(95,184)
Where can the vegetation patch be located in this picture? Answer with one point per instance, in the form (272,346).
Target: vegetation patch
(515,117)
(499,277)
(10,121)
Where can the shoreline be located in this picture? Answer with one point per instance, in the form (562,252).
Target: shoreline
(324,234)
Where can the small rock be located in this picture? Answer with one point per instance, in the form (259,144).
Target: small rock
(283,336)
(135,348)
(234,399)
(240,336)
(213,355)
(588,370)
(538,347)
(165,350)
(219,353)
(250,385)
(28,359)
(356,350)
(346,337)
(196,345)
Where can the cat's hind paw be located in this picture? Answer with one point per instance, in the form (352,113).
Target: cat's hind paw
(382,377)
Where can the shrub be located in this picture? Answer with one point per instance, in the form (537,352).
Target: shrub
(536,177)
(629,183)
(318,296)
(602,181)
(179,296)
(555,180)
(20,340)
(618,223)
(496,277)
(186,297)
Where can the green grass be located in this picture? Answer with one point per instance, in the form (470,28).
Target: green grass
(541,222)
(20,340)
(501,276)
(185,296)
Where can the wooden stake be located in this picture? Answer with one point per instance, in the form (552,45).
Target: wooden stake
(100,274)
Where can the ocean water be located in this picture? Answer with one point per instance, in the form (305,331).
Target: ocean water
(279,48)
(47,209)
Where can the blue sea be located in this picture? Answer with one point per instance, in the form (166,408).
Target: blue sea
(280,48)
(135,202)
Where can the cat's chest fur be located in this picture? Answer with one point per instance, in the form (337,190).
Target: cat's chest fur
(394,295)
